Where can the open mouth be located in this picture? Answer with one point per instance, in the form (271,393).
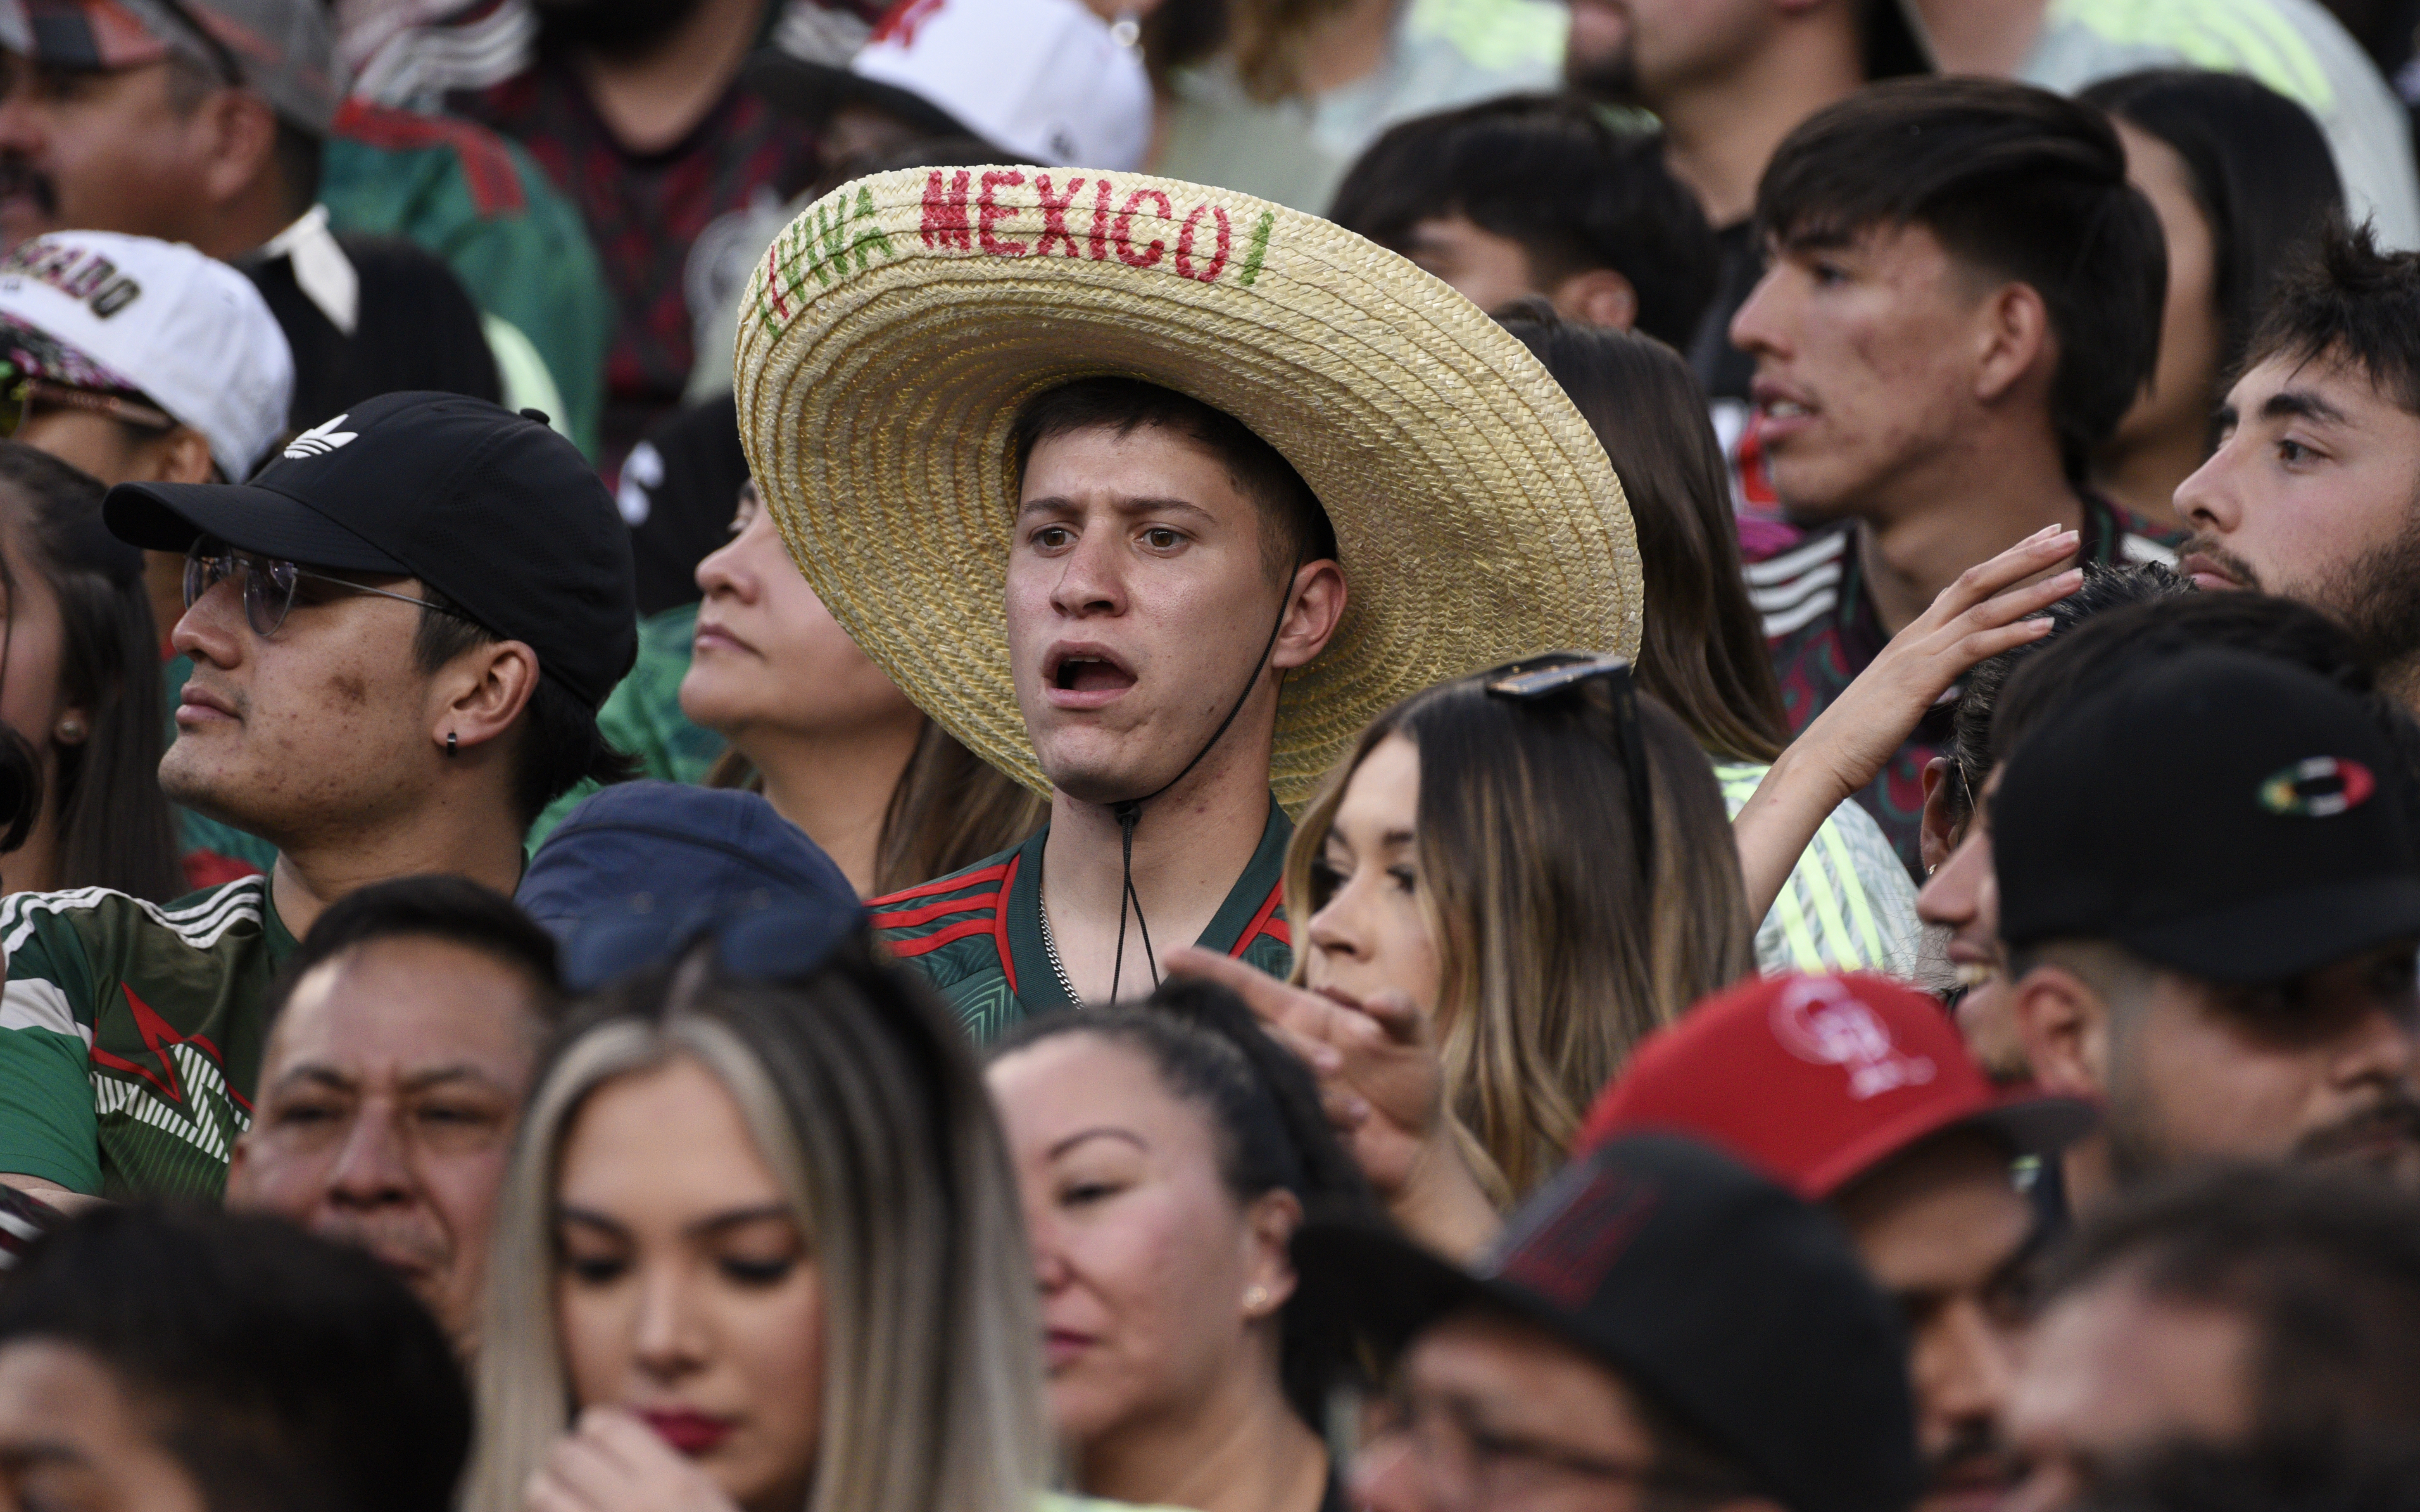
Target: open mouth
(1074,671)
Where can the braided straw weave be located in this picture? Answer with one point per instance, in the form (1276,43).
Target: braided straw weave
(898,324)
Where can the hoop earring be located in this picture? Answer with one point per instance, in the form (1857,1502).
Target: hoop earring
(453,744)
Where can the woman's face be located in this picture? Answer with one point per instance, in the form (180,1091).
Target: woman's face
(1370,933)
(768,655)
(1147,1263)
(29,679)
(2186,379)
(683,1291)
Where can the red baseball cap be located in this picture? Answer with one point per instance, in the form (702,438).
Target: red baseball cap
(1818,1080)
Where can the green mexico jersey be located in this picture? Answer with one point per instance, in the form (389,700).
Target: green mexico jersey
(976,934)
(130,1034)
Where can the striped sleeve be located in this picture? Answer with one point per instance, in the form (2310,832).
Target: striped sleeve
(1848,905)
(48,1126)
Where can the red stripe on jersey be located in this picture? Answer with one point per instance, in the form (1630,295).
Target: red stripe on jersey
(1265,923)
(488,169)
(925,943)
(1000,926)
(945,884)
(903,918)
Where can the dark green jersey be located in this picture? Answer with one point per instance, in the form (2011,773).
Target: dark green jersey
(130,1034)
(976,934)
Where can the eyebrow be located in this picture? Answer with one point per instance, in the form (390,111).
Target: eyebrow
(331,1077)
(1104,1131)
(1056,504)
(731,1218)
(2300,403)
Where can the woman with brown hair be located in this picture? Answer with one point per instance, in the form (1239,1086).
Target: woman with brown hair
(1848,904)
(1513,879)
(832,744)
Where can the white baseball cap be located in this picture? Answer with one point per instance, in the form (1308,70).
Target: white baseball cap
(1045,80)
(132,313)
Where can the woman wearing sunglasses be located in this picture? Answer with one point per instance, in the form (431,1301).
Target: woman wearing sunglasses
(759,1247)
(1513,880)
(80,800)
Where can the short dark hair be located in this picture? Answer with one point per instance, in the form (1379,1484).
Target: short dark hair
(1702,649)
(282,1371)
(2016,181)
(1975,743)
(559,743)
(2343,298)
(1545,171)
(454,909)
(2324,1268)
(1300,530)
(2262,176)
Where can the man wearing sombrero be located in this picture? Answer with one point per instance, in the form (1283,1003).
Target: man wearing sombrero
(1086,462)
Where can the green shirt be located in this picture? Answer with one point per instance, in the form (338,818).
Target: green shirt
(130,1034)
(976,934)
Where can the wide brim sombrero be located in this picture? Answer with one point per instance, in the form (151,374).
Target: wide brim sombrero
(896,327)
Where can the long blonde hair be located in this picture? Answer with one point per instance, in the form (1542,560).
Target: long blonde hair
(867,1106)
(1556,952)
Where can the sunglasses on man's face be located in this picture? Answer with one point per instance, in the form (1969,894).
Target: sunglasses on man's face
(269,584)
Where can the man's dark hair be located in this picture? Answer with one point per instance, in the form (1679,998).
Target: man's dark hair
(2015,182)
(559,743)
(2345,299)
(1300,530)
(454,909)
(1974,748)
(1544,171)
(2261,173)
(2325,1271)
(285,1373)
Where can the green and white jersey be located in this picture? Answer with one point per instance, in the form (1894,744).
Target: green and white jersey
(130,1034)
(1848,905)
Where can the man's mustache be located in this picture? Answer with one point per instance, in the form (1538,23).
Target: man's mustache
(2396,1118)
(19,177)
(1976,1457)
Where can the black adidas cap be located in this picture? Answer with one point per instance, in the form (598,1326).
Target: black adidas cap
(2222,814)
(491,509)
(1731,1304)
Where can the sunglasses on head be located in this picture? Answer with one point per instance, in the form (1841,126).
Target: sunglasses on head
(270,583)
(1555,674)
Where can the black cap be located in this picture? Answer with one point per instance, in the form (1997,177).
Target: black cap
(2227,815)
(1732,1305)
(497,512)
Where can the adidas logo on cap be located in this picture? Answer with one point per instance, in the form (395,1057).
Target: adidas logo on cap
(321,440)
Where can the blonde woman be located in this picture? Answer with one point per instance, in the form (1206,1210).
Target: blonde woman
(1514,879)
(759,1247)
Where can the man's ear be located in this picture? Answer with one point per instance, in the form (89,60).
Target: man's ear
(2015,341)
(1311,615)
(241,145)
(1597,297)
(480,693)
(2065,1026)
(1940,833)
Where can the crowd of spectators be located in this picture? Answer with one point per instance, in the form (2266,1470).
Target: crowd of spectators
(1252,755)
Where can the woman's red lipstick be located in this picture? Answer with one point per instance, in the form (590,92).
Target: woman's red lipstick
(691,1433)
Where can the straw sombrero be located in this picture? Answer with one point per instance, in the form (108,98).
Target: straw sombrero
(897,326)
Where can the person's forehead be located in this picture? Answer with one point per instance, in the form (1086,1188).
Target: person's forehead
(392,1007)
(1058,1089)
(2335,381)
(60,1394)
(1943,1211)
(2113,1364)
(1147,461)
(1517,1368)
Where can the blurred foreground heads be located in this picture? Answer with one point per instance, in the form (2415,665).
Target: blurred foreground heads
(2210,897)
(402,1035)
(171,1360)
(1658,1328)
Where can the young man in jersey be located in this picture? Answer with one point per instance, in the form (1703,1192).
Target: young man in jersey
(1101,528)
(1856,1093)
(401,631)
(1964,297)
(2310,492)
(1153,536)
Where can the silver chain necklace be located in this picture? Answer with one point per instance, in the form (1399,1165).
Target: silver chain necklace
(1051,948)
